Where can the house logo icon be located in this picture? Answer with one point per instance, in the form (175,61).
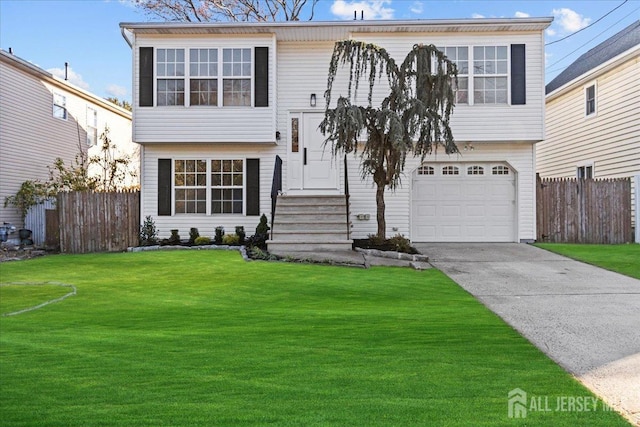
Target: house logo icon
(517,403)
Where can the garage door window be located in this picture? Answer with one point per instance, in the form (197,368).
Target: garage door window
(426,170)
(500,170)
(475,170)
(450,170)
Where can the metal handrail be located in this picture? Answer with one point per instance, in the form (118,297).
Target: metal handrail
(346,195)
(276,188)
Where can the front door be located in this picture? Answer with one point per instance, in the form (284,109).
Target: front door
(312,167)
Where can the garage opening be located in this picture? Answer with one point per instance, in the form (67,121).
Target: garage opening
(463,202)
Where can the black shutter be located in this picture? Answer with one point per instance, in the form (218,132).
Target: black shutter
(262,76)
(253,186)
(518,75)
(145,76)
(164,186)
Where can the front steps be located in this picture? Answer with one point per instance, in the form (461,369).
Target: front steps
(310,223)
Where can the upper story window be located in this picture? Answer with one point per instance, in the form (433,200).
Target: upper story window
(459,55)
(236,73)
(490,71)
(92,126)
(203,70)
(170,73)
(59,106)
(590,99)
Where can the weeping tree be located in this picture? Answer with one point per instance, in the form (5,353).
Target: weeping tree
(413,118)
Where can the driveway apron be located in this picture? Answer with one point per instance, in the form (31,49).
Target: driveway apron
(585,318)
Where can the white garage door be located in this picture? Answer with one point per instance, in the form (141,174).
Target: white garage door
(463,202)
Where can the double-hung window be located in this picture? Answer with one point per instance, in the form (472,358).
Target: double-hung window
(459,55)
(203,73)
(92,126)
(170,69)
(590,99)
(236,77)
(59,106)
(226,186)
(490,71)
(190,185)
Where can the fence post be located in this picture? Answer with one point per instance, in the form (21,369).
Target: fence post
(636,185)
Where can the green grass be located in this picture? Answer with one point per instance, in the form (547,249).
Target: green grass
(201,338)
(624,259)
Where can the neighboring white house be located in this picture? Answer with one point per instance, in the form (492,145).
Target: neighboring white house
(43,117)
(215,103)
(592,116)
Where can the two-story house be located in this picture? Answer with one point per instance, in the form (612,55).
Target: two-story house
(592,121)
(43,117)
(214,104)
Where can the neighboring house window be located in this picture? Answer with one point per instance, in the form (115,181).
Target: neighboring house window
(490,71)
(226,186)
(590,99)
(190,185)
(203,70)
(92,126)
(584,172)
(170,71)
(460,56)
(236,73)
(59,106)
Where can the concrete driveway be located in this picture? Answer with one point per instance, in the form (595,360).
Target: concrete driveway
(585,318)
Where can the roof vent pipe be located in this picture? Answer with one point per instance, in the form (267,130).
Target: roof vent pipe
(362,15)
(11,50)
(355,15)
(66,71)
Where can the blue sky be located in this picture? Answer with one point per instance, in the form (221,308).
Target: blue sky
(85,33)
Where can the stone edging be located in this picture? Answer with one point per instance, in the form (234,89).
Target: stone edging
(393,255)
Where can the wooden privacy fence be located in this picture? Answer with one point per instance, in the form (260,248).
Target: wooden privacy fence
(584,210)
(98,222)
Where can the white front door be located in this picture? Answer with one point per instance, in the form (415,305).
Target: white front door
(312,167)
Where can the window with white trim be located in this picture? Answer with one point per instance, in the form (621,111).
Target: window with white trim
(584,172)
(190,186)
(426,170)
(59,106)
(500,170)
(227,186)
(450,170)
(475,170)
(590,99)
(236,77)
(92,126)
(171,75)
(459,55)
(490,71)
(203,73)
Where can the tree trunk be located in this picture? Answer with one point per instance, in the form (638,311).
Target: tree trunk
(382,223)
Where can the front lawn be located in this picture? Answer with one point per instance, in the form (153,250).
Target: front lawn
(204,338)
(624,259)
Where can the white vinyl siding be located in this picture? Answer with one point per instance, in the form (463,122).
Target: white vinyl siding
(610,139)
(231,124)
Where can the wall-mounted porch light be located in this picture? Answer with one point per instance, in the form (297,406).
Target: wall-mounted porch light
(312,100)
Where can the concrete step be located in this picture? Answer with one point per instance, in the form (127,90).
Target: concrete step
(290,217)
(296,245)
(341,226)
(307,235)
(311,200)
(302,208)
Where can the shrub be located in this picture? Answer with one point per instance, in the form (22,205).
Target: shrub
(400,243)
(263,227)
(193,235)
(175,238)
(219,234)
(202,240)
(148,232)
(241,234)
(258,240)
(231,239)
(257,253)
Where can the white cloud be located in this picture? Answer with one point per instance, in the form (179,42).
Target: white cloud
(551,32)
(522,15)
(117,91)
(373,9)
(417,7)
(569,20)
(73,77)
(477,16)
